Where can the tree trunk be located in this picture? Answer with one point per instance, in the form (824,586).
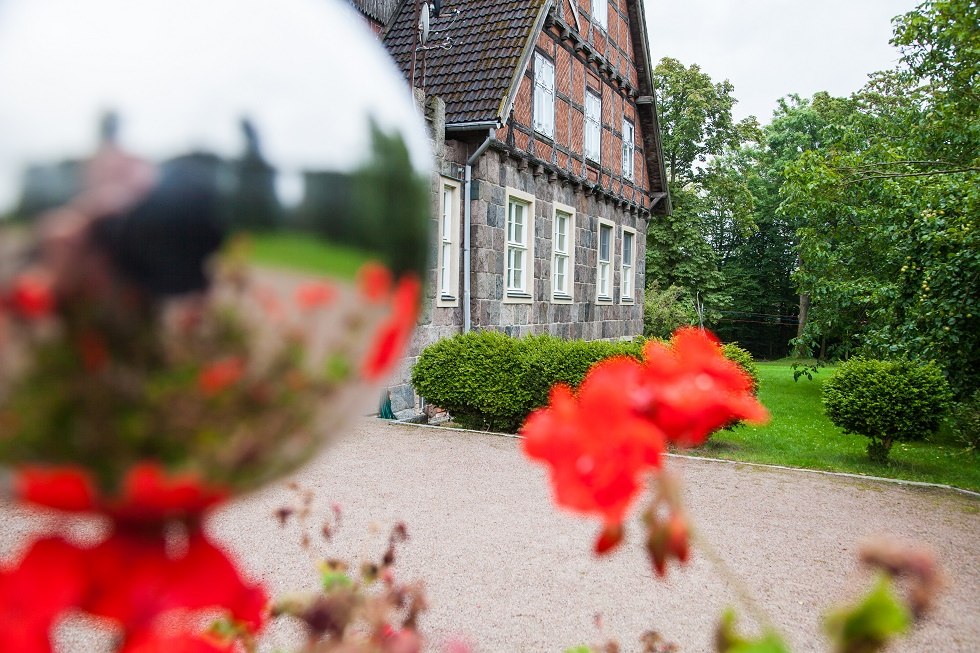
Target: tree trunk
(804,311)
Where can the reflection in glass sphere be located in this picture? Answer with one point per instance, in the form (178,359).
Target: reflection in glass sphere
(213,226)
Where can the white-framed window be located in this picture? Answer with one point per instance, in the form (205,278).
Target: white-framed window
(593,125)
(627,267)
(563,255)
(600,12)
(519,255)
(629,148)
(448,274)
(544,96)
(604,268)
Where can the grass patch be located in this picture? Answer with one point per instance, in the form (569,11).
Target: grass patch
(800,435)
(305,253)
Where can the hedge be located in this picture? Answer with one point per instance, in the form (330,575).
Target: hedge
(490,381)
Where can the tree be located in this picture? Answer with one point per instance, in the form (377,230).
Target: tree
(887,205)
(697,126)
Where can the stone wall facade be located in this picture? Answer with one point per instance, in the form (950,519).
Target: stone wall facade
(549,171)
(586,316)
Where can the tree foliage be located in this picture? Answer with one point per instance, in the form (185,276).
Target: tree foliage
(710,198)
(886,204)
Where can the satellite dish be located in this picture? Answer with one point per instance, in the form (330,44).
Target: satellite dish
(424,23)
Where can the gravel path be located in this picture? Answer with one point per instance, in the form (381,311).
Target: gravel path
(510,573)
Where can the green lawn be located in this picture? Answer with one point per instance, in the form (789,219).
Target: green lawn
(305,253)
(800,435)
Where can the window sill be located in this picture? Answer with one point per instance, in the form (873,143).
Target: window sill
(627,301)
(561,298)
(447,301)
(517,297)
(549,138)
(602,299)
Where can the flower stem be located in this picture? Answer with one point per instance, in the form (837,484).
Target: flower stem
(744,594)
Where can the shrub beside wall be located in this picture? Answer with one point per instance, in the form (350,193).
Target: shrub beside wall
(886,401)
(489,381)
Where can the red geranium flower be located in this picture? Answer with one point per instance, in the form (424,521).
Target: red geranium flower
(147,493)
(596,444)
(691,390)
(61,488)
(131,578)
(150,495)
(135,580)
(314,295)
(393,334)
(31,296)
(50,579)
(374,280)
(219,375)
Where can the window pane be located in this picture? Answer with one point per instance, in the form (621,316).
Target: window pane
(447,213)
(561,230)
(593,125)
(627,248)
(627,281)
(515,225)
(604,236)
(544,96)
(447,259)
(600,12)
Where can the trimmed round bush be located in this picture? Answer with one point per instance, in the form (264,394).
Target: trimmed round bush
(886,401)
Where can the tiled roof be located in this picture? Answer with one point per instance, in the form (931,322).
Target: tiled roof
(474,76)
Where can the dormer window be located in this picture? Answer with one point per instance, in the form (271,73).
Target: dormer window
(600,13)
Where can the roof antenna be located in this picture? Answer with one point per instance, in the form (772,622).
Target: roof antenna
(426,12)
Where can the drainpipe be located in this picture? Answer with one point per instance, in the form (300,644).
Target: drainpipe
(467,193)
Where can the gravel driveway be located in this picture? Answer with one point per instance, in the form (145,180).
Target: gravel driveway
(510,573)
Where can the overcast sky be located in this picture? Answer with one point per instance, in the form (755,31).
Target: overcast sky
(771,48)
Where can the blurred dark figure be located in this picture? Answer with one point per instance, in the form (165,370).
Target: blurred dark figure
(254,204)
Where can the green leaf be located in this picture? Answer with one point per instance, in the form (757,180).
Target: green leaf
(869,625)
(334,579)
(727,639)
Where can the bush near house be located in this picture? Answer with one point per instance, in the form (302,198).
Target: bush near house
(490,381)
(886,401)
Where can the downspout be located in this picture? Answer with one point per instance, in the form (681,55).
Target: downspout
(467,194)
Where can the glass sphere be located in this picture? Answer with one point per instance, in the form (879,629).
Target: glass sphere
(213,229)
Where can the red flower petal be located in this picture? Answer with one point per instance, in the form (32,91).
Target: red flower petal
(609,539)
(180,643)
(220,375)
(394,333)
(50,579)
(374,281)
(691,390)
(61,488)
(136,581)
(315,295)
(595,443)
(31,296)
(150,495)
